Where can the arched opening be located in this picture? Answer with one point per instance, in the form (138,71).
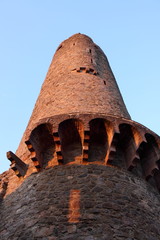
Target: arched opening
(152,141)
(71,134)
(43,144)
(128,146)
(149,155)
(117,156)
(150,158)
(98,143)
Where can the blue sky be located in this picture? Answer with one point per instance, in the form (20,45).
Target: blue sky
(128,31)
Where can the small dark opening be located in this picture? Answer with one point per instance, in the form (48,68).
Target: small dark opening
(82,68)
(104,82)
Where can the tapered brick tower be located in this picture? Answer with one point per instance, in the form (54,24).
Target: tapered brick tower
(83,170)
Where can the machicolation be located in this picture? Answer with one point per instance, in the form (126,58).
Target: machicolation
(84,169)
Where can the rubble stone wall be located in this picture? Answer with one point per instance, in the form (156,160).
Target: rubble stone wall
(83,202)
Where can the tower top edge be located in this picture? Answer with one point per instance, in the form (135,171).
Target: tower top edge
(80,38)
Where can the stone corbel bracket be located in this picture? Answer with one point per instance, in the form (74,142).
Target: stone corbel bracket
(17,165)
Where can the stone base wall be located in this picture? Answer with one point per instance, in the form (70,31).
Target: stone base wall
(83,202)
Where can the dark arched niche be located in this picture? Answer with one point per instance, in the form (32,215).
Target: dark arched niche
(98,143)
(43,144)
(149,156)
(127,146)
(71,133)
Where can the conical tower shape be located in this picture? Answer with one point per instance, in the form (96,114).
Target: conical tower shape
(79,80)
(79,113)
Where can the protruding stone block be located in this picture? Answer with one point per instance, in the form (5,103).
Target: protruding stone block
(17,165)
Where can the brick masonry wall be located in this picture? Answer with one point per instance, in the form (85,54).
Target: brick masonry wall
(81,202)
(80,80)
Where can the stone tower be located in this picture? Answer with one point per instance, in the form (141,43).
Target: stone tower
(83,169)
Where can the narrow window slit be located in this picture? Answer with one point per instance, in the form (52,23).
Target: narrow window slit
(91,70)
(82,68)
